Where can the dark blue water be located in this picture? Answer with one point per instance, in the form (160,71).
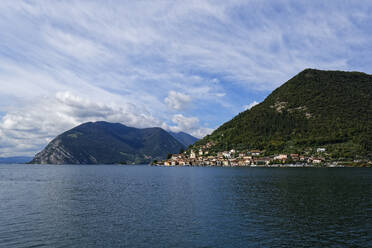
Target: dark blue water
(142,206)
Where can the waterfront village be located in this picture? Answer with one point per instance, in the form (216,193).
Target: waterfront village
(254,158)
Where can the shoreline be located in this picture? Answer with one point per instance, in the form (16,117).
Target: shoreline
(268,166)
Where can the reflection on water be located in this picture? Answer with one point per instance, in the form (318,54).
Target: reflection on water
(141,206)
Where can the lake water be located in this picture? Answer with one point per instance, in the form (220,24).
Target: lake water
(143,206)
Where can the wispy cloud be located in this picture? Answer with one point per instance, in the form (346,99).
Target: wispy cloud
(144,62)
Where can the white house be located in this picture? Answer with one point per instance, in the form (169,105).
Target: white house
(281,157)
(192,154)
(226,154)
(317,161)
(320,150)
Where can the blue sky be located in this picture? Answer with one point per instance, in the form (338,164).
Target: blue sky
(181,65)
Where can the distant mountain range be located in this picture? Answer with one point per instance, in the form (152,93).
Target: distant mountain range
(185,138)
(15,160)
(111,143)
(331,109)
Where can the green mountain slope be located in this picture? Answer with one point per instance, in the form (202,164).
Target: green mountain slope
(108,143)
(315,108)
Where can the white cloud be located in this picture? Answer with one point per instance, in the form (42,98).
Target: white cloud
(65,62)
(251,105)
(190,125)
(28,130)
(177,101)
(193,35)
(185,123)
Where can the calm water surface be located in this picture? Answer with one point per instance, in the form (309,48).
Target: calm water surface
(142,206)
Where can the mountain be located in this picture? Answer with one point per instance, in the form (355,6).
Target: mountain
(184,138)
(108,143)
(331,109)
(15,160)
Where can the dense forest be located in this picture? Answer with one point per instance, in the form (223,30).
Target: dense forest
(331,109)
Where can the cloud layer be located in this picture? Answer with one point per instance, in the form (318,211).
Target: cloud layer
(177,100)
(181,65)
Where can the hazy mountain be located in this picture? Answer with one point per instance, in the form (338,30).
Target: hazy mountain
(315,108)
(184,138)
(108,143)
(15,160)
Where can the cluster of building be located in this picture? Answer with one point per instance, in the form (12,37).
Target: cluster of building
(241,158)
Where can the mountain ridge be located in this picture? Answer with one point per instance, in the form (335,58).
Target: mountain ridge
(108,143)
(185,138)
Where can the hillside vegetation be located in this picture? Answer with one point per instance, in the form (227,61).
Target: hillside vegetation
(331,109)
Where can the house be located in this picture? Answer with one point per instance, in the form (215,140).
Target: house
(317,161)
(226,154)
(213,163)
(234,163)
(255,152)
(262,161)
(192,154)
(281,157)
(200,152)
(248,161)
(319,150)
(175,157)
(241,163)
(167,163)
(295,156)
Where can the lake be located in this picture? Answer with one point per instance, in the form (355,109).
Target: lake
(143,206)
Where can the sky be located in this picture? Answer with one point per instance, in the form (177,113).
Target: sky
(180,65)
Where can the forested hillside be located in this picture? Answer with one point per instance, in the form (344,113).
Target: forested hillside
(315,108)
